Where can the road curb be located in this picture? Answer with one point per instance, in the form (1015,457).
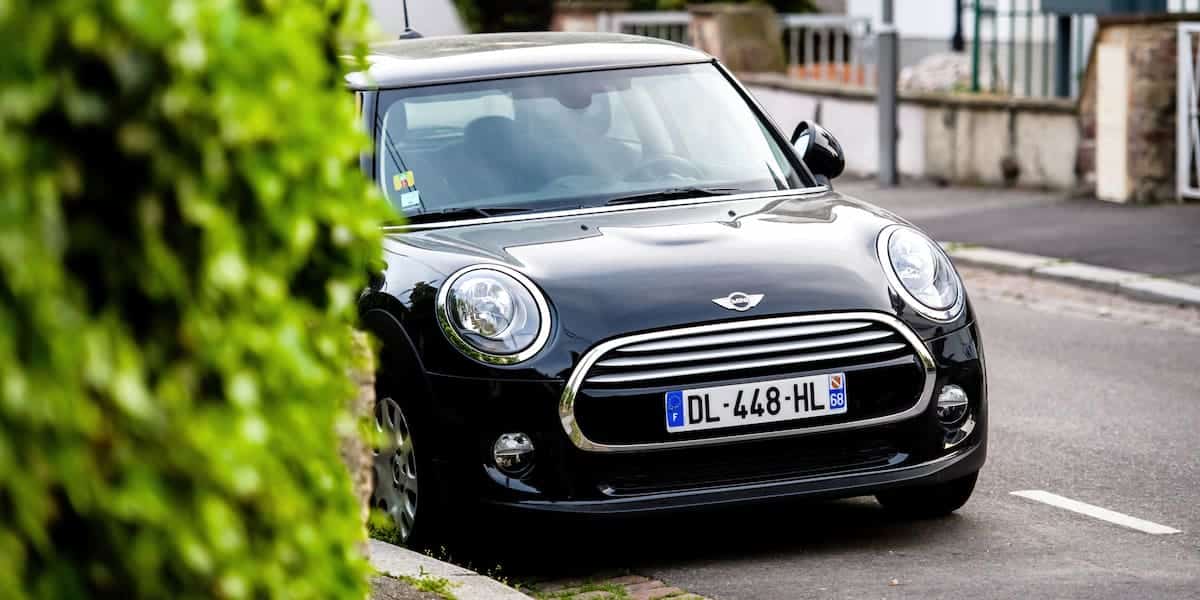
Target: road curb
(1141,286)
(466,584)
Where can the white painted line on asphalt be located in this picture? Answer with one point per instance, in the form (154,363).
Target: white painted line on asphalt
(1096,512)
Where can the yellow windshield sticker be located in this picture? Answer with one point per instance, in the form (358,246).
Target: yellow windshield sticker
(400,181)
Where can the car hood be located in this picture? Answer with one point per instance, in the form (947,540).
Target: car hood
(651,267)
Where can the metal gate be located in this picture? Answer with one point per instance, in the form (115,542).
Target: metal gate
(1187,107)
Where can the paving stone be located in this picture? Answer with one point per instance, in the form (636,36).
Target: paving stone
(558,585)
(647,585)
(656,593)
(594,595)
(626,580)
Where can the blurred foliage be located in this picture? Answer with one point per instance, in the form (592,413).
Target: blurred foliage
(182,237)
(783,6)
(492,16)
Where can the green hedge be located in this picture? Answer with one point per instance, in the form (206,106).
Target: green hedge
(182,237)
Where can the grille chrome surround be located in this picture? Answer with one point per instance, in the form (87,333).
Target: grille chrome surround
(683,343)
(713,339)
(840,340)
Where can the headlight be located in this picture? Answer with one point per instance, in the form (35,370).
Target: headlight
(921,273)
(493,314)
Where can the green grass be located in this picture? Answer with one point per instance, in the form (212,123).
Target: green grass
(617,591)
(431,584)
(382,529)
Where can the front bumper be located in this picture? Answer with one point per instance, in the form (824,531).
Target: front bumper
(471,413)
(951,466)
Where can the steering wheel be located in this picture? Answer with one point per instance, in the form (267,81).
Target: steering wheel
(664,165)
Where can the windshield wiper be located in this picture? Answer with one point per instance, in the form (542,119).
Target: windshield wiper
(466,212)
(673,194)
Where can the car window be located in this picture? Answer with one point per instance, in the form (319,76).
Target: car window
(455,111)
(572,140)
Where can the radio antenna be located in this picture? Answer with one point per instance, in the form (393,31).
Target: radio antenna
(409,32)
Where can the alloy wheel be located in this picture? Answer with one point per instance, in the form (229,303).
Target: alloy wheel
(395,468)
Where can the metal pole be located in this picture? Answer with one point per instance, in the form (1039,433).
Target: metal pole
(975,51)
(1028,48)
(889,67)
(1012,49)
(1045,49)
(994,73)
(958,43)
(1077,60)
(1062,56)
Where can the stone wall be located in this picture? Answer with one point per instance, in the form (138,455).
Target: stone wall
(355,452)
(1127,110)
(744,37)
(951,138)
(585,15)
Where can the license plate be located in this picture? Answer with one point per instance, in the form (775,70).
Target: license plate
(755,403)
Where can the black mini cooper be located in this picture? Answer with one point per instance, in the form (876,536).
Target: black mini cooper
(619,289)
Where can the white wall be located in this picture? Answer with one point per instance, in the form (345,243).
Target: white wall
(954,141)
(914,18)
(430,17)
(855,124)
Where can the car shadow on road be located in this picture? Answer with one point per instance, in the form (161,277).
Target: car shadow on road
(558,547)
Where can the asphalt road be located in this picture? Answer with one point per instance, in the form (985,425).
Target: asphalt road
(1093,408)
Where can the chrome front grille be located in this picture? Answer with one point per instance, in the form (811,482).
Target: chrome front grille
(745,346)
(648,362)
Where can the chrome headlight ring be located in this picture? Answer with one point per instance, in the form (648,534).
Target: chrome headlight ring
(940,269)
(516,290)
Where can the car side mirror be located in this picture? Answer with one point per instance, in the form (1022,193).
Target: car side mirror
(819,150)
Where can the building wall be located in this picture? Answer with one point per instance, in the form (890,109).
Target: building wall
(1128,111)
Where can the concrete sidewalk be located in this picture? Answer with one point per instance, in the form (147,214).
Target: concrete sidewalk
(1162,240)
(465,583)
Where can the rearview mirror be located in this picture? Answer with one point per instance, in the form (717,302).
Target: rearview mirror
(819,150)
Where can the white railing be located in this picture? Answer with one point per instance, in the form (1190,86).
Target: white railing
(666,25)
(829,47)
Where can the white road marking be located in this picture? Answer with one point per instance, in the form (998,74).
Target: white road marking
(1096,512)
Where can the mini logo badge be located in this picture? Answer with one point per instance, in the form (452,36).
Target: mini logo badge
(739,301)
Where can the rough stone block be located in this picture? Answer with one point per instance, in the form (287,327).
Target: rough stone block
(745,37)
(656,593)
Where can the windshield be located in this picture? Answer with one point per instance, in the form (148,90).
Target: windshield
(572,140)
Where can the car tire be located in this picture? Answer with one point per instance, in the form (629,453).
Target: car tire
(405,486)
(929,501)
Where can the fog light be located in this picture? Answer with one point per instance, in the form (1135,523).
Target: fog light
(952,405)
(513,453)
